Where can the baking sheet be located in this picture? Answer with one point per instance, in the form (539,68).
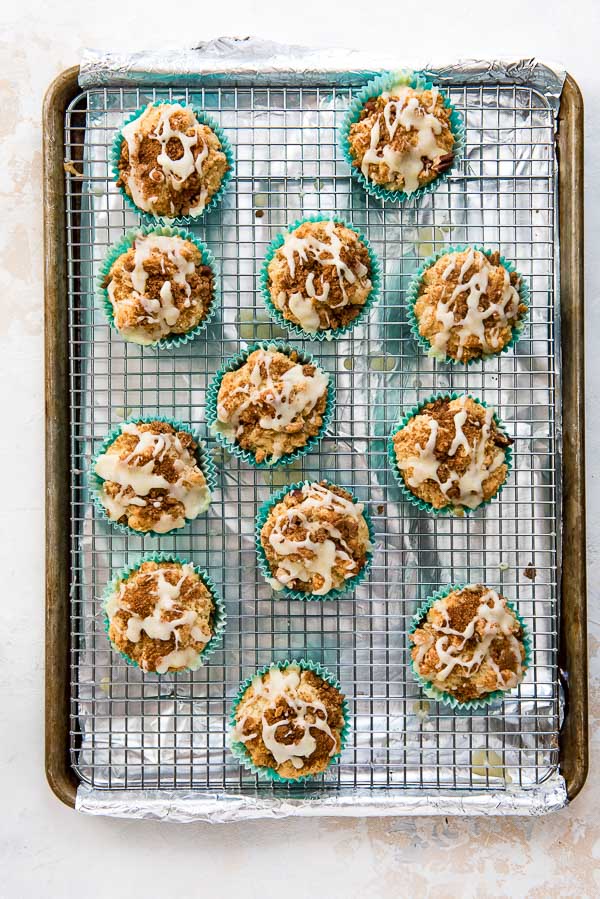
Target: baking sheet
(158,747)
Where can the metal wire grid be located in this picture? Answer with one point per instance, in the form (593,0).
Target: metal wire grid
(128,731)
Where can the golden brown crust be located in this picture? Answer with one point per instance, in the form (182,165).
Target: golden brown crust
(436,289)
(344,298)
(138,598)
(415,435)
(353,539)
(506,667)
(193,304)
(402,140)
(158,501)
(312,687)
(263,442)
(165,200)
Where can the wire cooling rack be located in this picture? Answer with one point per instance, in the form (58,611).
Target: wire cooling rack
(135,732)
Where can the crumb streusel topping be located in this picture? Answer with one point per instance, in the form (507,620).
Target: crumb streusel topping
(170,164)
(315,539)
(320,277)
(403,138)
(290,720)
(470,644)
(468,305)
(452,453)
(152,481)
(160,616)
(159,286)
(272,404)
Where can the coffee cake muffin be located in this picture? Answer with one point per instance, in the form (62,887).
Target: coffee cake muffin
(319,278)
(452,454)
(469,644)
(468,305)
(271,405)
(159,287)
(170,164)
(402,139)
(315,539)
(289,721)
(162,615)
(149,477)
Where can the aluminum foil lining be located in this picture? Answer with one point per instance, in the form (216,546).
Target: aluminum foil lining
(252,61)
(187,808)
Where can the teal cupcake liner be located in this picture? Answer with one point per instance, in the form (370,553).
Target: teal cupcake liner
(203,119)
(376,86)
(329,333)
(95,482)
(122,246)
(412,296)
(407,494)
(483,702)
(219,614)
(239,750)
(263,563)
(236,362)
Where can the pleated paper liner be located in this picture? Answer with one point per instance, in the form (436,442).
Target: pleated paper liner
(472,705)
(407,493)
(236,362)
(374,88)
(325,333)
(204,119)
(122,246)
(263,564)
(412,296)
(203,456)
(239,749)
(219,618)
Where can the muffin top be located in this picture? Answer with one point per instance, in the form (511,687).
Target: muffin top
(290,720)
(152,481)
(170,164)
(468,305)
(319,277)
(160,616)
(469,644)
(272,403)
(159,286)
(315,539)
(452,453)
(402,139)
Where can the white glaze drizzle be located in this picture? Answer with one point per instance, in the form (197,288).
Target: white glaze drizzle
(284,684)
(425,465)
(158,628)
(473,322)
(161,312)
(174,171)
(497,621)
(324,555)
(322,253)
(288,395)
(402,109)
(142,478)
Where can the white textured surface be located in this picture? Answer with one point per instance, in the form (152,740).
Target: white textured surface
(47,850)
